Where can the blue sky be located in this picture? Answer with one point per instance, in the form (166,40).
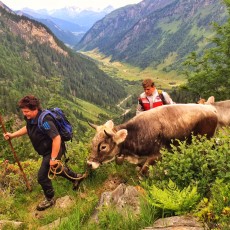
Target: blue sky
(56,4)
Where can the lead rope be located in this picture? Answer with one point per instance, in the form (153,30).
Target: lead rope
(54,170)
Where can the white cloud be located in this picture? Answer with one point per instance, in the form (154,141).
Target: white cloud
(55,4)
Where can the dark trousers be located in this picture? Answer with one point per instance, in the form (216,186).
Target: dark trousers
(45,182)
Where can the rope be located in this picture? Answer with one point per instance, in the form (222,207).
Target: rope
(59,168)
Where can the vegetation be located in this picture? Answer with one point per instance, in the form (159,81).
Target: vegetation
(192,179)
(32,67)
(196,175)
(172,199)
(209,74)
(158,37)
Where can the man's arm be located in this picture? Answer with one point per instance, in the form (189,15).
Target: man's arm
(139,108)
(168,99)
(55,149)
(18,133)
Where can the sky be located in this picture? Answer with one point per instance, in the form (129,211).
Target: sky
(57,4)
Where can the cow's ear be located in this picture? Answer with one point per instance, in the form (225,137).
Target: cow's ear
(210,100)
(120,136)
(109,124)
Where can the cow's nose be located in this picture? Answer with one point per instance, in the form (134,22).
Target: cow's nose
(93,165)
(89,164)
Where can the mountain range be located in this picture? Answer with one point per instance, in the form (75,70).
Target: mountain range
(69,24)
(34,61)
(155,33)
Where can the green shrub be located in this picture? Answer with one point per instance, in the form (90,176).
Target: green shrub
(199,163)
(11,177)
(216,210)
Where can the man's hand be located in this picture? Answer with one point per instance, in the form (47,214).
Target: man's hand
(53,162)
(7,136)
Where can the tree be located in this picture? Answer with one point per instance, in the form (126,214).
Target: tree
(209,74)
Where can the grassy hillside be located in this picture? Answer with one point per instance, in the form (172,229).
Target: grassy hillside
(156,34)
(43,66)
(131,73)
(207,176)
(131,77)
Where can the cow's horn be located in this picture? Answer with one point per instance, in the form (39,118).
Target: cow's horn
(108,134)
(92,125)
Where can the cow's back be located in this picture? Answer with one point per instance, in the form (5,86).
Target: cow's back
(223,112)
(151,129)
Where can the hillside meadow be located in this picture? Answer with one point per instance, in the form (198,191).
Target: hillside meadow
(197,174)
(124,71)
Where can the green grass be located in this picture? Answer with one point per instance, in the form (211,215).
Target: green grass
(89,110)
(125,71)
(169,26)
(18,204)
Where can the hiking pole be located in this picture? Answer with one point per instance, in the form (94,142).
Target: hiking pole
(15,155)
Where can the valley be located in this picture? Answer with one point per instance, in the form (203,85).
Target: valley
(124,71)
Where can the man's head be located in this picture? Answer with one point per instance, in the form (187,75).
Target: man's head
(148,86)
(30,105)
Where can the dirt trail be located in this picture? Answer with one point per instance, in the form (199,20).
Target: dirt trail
(121,102)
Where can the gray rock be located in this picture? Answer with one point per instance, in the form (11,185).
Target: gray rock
(123,198)
(177,223)
(14,224)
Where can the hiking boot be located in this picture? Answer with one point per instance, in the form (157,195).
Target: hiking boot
(45,204)
(77,182)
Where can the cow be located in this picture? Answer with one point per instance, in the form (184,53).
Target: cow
(208,102)
(140,139)
(222,108)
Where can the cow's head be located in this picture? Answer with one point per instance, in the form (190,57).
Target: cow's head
(105,144)
(210,101)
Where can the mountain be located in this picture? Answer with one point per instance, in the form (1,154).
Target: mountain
(155,32)
(62,29)
(85,18)
(65,24)
(34,61)
(69,24)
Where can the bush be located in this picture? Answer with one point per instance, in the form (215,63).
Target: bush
(216,210)
(199,163)
(11,177)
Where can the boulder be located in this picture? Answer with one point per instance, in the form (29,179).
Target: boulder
(177,223)
(123,198)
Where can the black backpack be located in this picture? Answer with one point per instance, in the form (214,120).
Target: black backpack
(64,127)
(160,92)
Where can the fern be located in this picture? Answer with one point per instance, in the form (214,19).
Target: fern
(172,199)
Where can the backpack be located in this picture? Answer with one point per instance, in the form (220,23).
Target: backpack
(160,92)
(64,127)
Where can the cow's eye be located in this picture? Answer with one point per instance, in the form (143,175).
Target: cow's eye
(103,147)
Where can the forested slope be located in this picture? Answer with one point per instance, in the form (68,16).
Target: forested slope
(34,61)
(155,32)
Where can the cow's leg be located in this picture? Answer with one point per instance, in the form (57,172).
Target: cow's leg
(150,161)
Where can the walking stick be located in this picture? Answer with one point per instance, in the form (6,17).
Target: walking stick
(15,155)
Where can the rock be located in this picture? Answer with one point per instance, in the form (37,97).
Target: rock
(64,202)
(123,198)
(53,225)
(177,223)
(61,203)
(14,224)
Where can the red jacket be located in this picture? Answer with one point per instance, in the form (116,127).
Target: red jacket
(144,102)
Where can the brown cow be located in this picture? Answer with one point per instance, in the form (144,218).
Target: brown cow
(140,139)
(222,108)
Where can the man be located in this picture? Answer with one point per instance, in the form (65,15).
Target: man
(151,97)
(48,144)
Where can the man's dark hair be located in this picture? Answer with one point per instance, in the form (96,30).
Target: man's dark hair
(147,83)
(30,102)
